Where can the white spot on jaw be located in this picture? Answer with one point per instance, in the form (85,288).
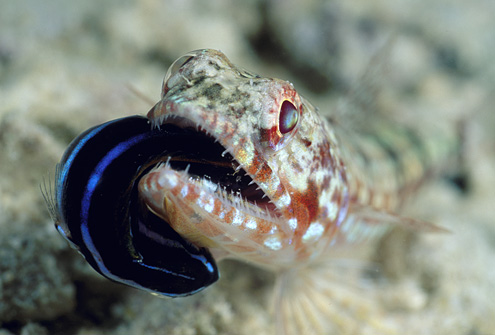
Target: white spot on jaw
(237,219)
(315,230)
(284,201)
(273,243)
(209,185)
(332,211)
(251,224)
(210,205)
(184,191)
(168,180)
(292,223)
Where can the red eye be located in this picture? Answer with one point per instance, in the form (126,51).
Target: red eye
(288,117)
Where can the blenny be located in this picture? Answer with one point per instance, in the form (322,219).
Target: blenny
(232,164)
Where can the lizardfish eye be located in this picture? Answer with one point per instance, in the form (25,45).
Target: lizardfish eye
(98,209)
(288,117)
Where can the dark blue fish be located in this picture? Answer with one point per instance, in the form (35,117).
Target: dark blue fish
(97,208)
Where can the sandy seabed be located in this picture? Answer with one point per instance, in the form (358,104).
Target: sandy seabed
(66,66)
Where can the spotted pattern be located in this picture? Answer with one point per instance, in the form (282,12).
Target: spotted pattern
(307,174)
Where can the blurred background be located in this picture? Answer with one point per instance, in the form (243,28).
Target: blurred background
(66,66)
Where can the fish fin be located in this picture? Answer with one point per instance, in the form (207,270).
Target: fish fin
(323,298)
(365,223)
(371,216)
(361,105)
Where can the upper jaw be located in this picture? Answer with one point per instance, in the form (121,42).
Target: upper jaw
(218,164)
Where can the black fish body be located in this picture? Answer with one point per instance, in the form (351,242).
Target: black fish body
(97,208)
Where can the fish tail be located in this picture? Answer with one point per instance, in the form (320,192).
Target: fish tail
(320,299)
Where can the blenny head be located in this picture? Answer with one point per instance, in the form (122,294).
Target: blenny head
(263,183)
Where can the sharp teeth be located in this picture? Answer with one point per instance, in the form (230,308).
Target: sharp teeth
(187,168)
(251,183)
(157,166)
(225,152)
(160,121)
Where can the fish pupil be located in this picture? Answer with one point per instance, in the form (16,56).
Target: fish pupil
(288,117)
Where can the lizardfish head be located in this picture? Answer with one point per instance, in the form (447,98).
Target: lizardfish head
(263,175)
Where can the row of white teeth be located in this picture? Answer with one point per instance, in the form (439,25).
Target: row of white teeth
(229,197)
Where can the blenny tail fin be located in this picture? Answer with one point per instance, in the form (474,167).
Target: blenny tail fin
(321,299)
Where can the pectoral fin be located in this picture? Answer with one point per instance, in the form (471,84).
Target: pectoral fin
(367,223)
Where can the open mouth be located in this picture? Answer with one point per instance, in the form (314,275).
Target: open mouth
(202,156)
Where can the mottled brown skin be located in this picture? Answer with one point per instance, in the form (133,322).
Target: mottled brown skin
(326,186)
